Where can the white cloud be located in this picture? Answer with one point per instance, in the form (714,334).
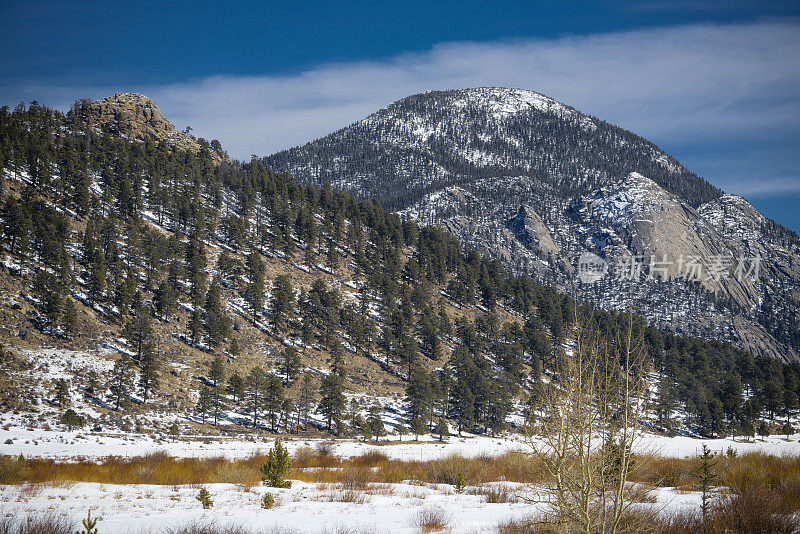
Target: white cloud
(679,85)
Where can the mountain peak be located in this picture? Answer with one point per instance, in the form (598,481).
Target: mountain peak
(131,115)
(135,116)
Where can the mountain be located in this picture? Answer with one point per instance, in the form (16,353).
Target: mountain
(142,285)
(537,184)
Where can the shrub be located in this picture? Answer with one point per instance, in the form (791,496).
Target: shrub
(432,520)
(277,467)
(205,499)
(267,501)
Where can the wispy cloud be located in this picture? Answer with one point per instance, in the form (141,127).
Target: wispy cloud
(678,85)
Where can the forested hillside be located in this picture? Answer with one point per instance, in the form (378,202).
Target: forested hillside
(229,295)
(536,183)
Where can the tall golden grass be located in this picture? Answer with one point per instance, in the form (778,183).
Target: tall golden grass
(742,474)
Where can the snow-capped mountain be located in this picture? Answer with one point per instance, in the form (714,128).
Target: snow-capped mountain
(537,183)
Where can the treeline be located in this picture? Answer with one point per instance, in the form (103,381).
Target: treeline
(84,218)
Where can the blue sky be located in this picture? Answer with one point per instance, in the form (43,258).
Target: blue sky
(713,83)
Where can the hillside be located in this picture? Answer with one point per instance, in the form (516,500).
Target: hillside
(536,184)
(144,285)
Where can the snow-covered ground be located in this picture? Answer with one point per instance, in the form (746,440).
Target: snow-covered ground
(81,444)
(313,508)
(306,507)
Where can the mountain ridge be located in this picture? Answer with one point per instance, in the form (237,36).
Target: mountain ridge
(470,160)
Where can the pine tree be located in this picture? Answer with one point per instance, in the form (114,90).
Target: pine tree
(138,330)
(205,403)
(275,471)
(237,387)
(374,421)
(282,301)
(50,292)
(61,392)
(121,385)
(463,405)
(273,399)
(254,389)
(217,323)
(417,428)
(706,477)
(148,375)
(216,370)
(254,293)
(331,402)
(195,327)
(441,428)
(290,365)
(306,399)
(69,318)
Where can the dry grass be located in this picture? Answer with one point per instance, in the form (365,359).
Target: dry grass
(431,520)
(44,523)
(157,468)
(496,493)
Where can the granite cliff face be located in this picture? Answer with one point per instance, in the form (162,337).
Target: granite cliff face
(134,116)
(537,184)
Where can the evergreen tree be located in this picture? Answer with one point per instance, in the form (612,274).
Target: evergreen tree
(254,389)
(273,399)
(237,387)
(417,428)
(216,370)
(306,399)
(331,402)
(148,375)
(290,365)
(441,428)
(69,318)
(217,323)
(282,301)
(275,471)
(121,384)
(254,293)
(138,330)
(374,421)
(205,403)
(61,392)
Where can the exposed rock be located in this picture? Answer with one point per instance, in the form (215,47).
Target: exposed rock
(134,116)
(529,228)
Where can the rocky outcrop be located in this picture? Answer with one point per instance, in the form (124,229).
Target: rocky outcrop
(531,231)
(134,116)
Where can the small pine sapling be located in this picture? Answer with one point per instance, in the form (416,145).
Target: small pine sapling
(89,524)
(461,483)
(267,501)
(277,467)
(205,499)
(706,477)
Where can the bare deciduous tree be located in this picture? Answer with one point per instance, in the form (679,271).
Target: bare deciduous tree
(591,414)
